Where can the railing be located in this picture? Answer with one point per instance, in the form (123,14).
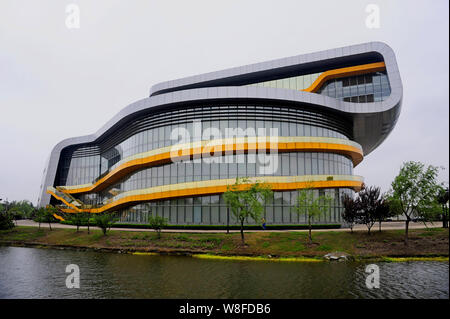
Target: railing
(70,200)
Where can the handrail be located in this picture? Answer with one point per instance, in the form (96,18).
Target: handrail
(211,187)
(220,146)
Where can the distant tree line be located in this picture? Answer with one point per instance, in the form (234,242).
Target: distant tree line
(12,211)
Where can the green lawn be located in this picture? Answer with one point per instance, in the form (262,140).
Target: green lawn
(423,242)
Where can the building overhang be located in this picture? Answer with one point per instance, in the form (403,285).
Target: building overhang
(372,122)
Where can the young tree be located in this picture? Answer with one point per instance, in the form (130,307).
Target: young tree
(246,199)
(382,211)
(40,216)
(312,205)
(48,215)
(87,218)
(157,223)
(414,190)
(76,219)
(368,199)
(351,211)
(104,221)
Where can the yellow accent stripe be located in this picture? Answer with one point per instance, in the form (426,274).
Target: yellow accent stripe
(342,72)
(58,217)
(63,200)
(258,258)
(213,187)
(165,157)
(222,146)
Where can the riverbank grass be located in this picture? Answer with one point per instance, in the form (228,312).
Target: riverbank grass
(429,242)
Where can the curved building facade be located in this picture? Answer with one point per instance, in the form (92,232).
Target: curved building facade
(303,121)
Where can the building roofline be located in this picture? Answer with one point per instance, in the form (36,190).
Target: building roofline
(372,121)
(300,64)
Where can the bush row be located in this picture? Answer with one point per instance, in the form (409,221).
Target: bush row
(220,227)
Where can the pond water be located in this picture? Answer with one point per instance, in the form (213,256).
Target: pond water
(41,273)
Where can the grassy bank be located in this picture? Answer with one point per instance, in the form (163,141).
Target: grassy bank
(388,243)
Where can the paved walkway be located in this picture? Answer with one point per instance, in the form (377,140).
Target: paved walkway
(384,226)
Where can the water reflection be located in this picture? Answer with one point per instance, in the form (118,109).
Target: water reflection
(40,273)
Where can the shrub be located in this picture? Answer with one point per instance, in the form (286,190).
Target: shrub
(351,208)
(224,227)
(6,221)
(104,222)
(157,223)
(76,219)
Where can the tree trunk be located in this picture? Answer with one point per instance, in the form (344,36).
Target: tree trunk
(242,232)
(310,235)
(444,217)
(50,225)
(78,227)
(406,231)
(88,227)
(380,225)
(228,220)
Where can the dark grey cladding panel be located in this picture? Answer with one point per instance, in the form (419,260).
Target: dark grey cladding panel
(221,79)
(265,71)
(372,121)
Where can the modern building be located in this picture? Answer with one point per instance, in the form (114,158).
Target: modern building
(302,121)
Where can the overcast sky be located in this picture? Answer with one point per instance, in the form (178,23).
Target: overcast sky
(57,82)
